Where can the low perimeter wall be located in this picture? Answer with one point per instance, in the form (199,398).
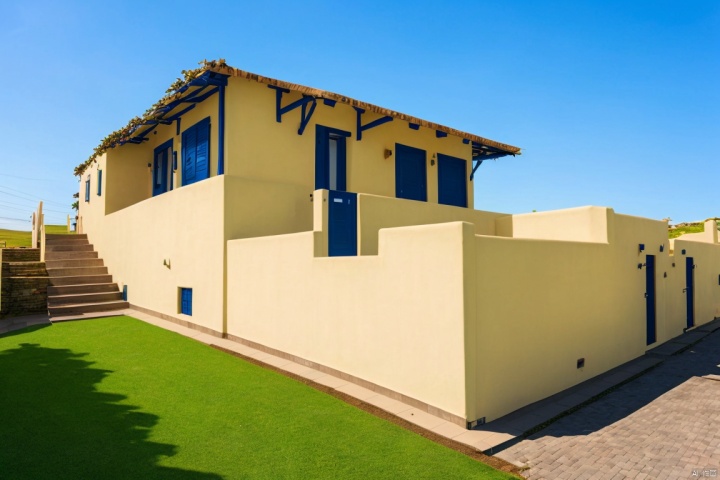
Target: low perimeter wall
(395,319)
(23,283)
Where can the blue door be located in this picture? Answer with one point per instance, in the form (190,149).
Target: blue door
(690,290)
(452,186)
(161,164)
(650,298)
(330,158)
(342,224)
(410,173)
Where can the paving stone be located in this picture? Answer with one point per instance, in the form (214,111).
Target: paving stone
(661,425)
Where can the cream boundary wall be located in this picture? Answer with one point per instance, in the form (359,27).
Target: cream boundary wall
(530,308)
(376,212)
(395,319)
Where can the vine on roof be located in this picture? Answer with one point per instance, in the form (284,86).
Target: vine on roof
(125,133)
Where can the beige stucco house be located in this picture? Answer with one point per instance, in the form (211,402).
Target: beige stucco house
(343,234)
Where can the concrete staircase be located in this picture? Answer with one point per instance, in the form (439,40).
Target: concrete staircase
(79,282)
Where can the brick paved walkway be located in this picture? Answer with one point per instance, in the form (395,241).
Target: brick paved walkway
(663,425)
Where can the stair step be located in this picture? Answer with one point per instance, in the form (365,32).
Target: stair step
(64,235)
(76,280)
(76,271)
(70,255)
(69,248)
(71,309)
(63,241)
(80,298)
(78,289)
(74,262)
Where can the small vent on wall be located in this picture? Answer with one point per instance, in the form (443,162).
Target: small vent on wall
(580,362)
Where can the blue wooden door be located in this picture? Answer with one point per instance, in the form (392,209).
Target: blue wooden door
(650,298)
(342,224)
(452,183)
(160,168)
(330,158)
(690,290)
(410,173)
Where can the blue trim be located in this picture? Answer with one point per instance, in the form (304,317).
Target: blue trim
(329,103)
(125,293)
(478,162)
(305,118)
(466,141)
(99,185)
(176,116)
(439,134)
(221,131)
(202,97)
(205,80)
(278,101)
(375,123)
(305,114)
(414,126)
(87,189)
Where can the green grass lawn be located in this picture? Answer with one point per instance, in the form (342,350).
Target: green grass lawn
(16,238)
(118,399)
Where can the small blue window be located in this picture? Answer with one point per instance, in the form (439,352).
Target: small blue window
(87,189)
(99,190)
(186,301)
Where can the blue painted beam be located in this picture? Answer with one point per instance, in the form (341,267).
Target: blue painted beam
(221,131)
(176,116)
(305,117)
(329,103)
(439,134)
(414,126)
(475,167)
(466,141)
(375,123)
(278,101)
(201,98)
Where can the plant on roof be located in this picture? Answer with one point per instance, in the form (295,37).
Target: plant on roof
(122,135)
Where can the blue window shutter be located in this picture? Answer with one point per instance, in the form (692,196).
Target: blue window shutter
(452,181)
(186,301)
(99,189)
(87,189)
(189,147)
(202,156)
(196,152)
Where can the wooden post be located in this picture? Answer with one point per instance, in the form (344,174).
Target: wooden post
(42,236)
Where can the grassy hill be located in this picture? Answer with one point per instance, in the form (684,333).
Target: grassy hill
(683,228)
(16,238)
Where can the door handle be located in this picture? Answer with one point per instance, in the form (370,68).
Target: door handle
(646,295)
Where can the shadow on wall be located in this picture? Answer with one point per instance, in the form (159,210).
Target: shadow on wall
(701,359)
(55,424)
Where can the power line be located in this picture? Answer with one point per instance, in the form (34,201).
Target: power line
(27,178)
(35,199)
(25,208)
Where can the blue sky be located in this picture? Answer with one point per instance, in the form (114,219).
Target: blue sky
(614,103)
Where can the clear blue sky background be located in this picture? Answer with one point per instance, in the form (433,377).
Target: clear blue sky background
(615,103)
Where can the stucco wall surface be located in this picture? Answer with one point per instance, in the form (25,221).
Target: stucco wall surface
(395,319)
